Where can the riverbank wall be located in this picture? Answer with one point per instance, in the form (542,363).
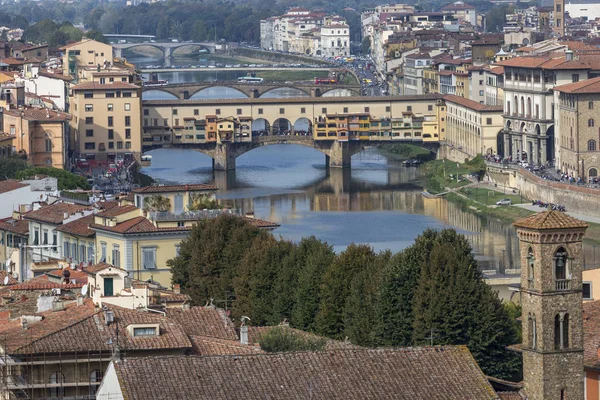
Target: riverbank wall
(580,199)
(452,153)
(276,57)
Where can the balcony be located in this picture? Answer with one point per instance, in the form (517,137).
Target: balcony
(563,284)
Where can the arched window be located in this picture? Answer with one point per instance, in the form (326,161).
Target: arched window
(95,377)
(530,267)
(529,106)
(561,331)
(48,145)
(591,145)
(57,391)
(522,105)
(591,105)
(508,107)
(532,332)
(516,106)
(561,275)
(593,172)
(591,122)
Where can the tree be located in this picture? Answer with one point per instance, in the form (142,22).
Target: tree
(496,18)
(10,166)
(336,288)
(279,339)
(452,304)
(365,46)
(157,203)
(66,180)
(96,35)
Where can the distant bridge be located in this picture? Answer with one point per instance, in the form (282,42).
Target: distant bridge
(184,91)
(337,152)
(167,48)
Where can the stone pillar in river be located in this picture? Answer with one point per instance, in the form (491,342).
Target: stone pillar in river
(223,157)
(339,154)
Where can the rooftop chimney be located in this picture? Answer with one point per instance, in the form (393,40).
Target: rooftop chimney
(58,305)
(177,288)
(244,334)
(569,55)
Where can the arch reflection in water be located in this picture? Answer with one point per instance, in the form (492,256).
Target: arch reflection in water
(158,95)
(338,93)
(283,92)
(218,92)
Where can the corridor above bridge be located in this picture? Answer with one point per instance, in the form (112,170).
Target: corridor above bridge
(184,91)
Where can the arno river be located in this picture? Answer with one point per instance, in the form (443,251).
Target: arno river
(377,201)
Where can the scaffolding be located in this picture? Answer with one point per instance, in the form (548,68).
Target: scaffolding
(44,376)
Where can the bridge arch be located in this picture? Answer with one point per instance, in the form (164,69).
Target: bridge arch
(261,127)
(158,94)
(192,45)
(274,92)
(303,125)
(136,45)
(282,126)
(213,92)
(339,92)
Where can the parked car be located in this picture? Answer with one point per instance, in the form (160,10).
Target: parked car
(504,202)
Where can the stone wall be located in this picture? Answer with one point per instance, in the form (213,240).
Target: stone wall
(452,153)
(575,198)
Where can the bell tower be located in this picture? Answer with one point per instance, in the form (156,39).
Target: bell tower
(550,245)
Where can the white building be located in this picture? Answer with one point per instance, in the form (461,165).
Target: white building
(304,32)
(13,193)
(48,85)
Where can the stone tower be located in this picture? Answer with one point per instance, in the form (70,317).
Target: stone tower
(559,17)
(550,245)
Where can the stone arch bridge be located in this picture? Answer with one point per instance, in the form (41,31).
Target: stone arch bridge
(167,47)
(184,91)
(337,153)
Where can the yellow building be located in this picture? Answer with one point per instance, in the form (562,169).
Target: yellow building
(40,134)
(78,240)
(83,55)
(472,128)
(7,146)
(106,119)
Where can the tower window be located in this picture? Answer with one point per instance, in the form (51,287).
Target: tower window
(561,331)
(560,270)
(530,268)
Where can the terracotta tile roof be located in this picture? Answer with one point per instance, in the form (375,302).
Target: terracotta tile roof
(474,105)
(105,86)
(13,61)
(256,333)
(586,86)
(78,275)
(591,333)
(137,225)
(11,280)
(119,210)
(552,63)
(54,75)
(107,205)
(173,188)
(42,283)
(402,373)
(9,185)
(550,220)
(54,213)
(79,227)
(39,114)
(208,346)
(204,321)
(167,296)
(261,223)
(99,267)
(19,226)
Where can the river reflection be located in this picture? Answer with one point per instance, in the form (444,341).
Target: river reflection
(377,201)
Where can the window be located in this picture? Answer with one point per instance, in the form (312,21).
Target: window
(260,110)
(126,94)
(48,146)
(89,120)
(367,109)
(591,122)
(88,95)
(119,145)
(110,121)
(109,107)
(488,121)
(66,252)
(324,110)
(196,111)
(90,253)
(95,377)
(128,145)
(575,78)
(587,291)
(218,111)
(147,112)
(165,122)
(345,109)
(90,145)
(591,105)
(429,108)
(57,392)
(408,108)
(302,110)
(127,106)
(102,251)
(532,332)
(82,253)
(530,268)
(111,134)
(89,133)
(560,269)
(45,236)
(593,173)
(561,331)
(591,145)
(282,111)
(481,92)
(89,107)
(128,121)
(174,111)
(116,255)
(127,133)
(110,95)
(149,257)
(558,8)
(149,331)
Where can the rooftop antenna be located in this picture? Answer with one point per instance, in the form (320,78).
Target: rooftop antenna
(6,280)
(84,290)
